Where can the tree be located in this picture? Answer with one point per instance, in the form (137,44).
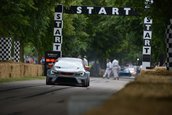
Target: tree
(99,37)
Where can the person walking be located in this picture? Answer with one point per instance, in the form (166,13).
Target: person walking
(108,69)
(115,69)
(85,61)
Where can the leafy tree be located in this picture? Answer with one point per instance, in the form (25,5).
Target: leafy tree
(98,37)
(161,15)
(113,36)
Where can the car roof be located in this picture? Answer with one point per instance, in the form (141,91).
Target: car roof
(70,59)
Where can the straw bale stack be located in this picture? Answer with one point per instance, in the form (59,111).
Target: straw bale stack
(12,70)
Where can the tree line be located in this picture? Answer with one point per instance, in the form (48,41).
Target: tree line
(99,37)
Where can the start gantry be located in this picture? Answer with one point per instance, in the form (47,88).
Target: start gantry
(100,10)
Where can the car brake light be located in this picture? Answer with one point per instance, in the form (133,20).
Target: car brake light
(50,60)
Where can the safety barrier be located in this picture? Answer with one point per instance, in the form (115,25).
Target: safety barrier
(12,70)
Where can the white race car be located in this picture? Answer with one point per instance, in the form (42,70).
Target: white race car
(67,70)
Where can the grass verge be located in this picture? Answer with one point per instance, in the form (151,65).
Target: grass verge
(3,80)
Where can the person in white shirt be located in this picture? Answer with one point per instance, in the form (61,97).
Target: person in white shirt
(115,69)
(85,61)
(108,69)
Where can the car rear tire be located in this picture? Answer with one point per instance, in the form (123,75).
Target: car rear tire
(48,81)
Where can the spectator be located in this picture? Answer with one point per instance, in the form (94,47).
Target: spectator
(85,61)
(115,69)
(42,61)
(108,69)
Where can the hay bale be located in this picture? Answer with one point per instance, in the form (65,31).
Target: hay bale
(156,71)
(26,70)
(33,70)
(22,70)
(5,70)
(40,70)
(15,70)
(11,70)
(29,70)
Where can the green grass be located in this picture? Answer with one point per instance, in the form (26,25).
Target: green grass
(3,80)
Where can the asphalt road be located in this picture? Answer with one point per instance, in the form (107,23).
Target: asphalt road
(35,98)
